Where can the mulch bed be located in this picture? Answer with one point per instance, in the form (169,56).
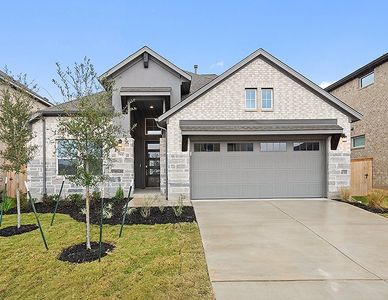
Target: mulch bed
(14,230)
(375,210)
(79,254)
(156,216)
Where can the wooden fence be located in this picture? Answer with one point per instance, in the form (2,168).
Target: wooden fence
(361,176)
(11,186)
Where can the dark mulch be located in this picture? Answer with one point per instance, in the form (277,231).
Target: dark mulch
(79,254)
(375,210)
(14,230)
(156,217)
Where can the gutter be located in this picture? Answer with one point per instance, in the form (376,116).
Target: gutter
(165,129)
(44,156)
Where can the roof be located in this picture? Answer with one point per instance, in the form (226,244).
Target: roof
(198,81)
(139,52)
(68,107)
(249,127)
(19,85)
(359,72)
(353,114)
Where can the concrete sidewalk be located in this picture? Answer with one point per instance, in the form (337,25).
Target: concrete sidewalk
(293,249)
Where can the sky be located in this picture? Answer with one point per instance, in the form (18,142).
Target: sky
(323,40)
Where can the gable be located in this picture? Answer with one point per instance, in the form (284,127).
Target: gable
(286,70)
(291,98)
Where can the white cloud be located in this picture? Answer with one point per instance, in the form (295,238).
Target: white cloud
(325,84)
(218,64)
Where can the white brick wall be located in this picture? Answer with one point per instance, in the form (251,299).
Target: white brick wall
(120,172)
(227,102)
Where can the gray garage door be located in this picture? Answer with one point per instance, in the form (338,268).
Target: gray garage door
(271,169)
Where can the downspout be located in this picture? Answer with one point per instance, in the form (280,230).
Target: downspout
(44,156)
(165,129)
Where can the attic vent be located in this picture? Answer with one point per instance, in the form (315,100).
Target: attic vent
(145,59)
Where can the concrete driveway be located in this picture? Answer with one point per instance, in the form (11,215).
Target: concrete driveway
(293,249)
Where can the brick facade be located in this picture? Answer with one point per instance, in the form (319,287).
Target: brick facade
(226,101)
(120,172)
(372,102)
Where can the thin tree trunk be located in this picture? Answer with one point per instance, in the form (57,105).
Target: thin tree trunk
(18,198)
(87,213)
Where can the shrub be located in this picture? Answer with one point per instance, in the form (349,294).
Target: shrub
(145,210)
(178,208)
(7,204)
(119,196)
(76,199)
(345,193)
(96,195)
(25,202)
(107,211)
(376,198)
(131,210)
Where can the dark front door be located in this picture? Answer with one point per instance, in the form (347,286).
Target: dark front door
(152,163)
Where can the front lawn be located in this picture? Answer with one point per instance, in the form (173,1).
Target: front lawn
(149,262)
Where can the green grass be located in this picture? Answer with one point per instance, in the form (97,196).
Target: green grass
(149,262)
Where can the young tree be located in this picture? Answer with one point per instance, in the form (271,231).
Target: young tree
(88,127)
(15,133)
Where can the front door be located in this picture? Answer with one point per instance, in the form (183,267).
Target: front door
(152,164)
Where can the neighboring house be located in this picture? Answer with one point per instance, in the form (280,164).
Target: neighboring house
(39,103)
(366,89)
(259,130)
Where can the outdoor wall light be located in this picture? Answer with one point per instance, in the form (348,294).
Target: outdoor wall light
(151,106)
(344,138)
(120,143)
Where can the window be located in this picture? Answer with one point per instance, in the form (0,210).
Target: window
(206,147)
(250,98)
(267,99)
(151,128)
(358,141)
(306,146)
(66,166)
(367,80)
(273,147)
(237,147)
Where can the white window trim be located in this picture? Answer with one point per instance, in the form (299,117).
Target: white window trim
(261,97)
(245,99)
(361,78)
(356,136)
(59,157)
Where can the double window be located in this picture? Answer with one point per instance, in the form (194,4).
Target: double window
(358,141)
(67,163)
(266,99)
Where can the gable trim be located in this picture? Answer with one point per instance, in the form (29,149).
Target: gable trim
(135,55)
(353,114)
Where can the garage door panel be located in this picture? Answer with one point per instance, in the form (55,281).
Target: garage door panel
(258,174)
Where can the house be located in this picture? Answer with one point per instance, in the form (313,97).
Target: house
(366,89)
(259,130)
(39,103)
